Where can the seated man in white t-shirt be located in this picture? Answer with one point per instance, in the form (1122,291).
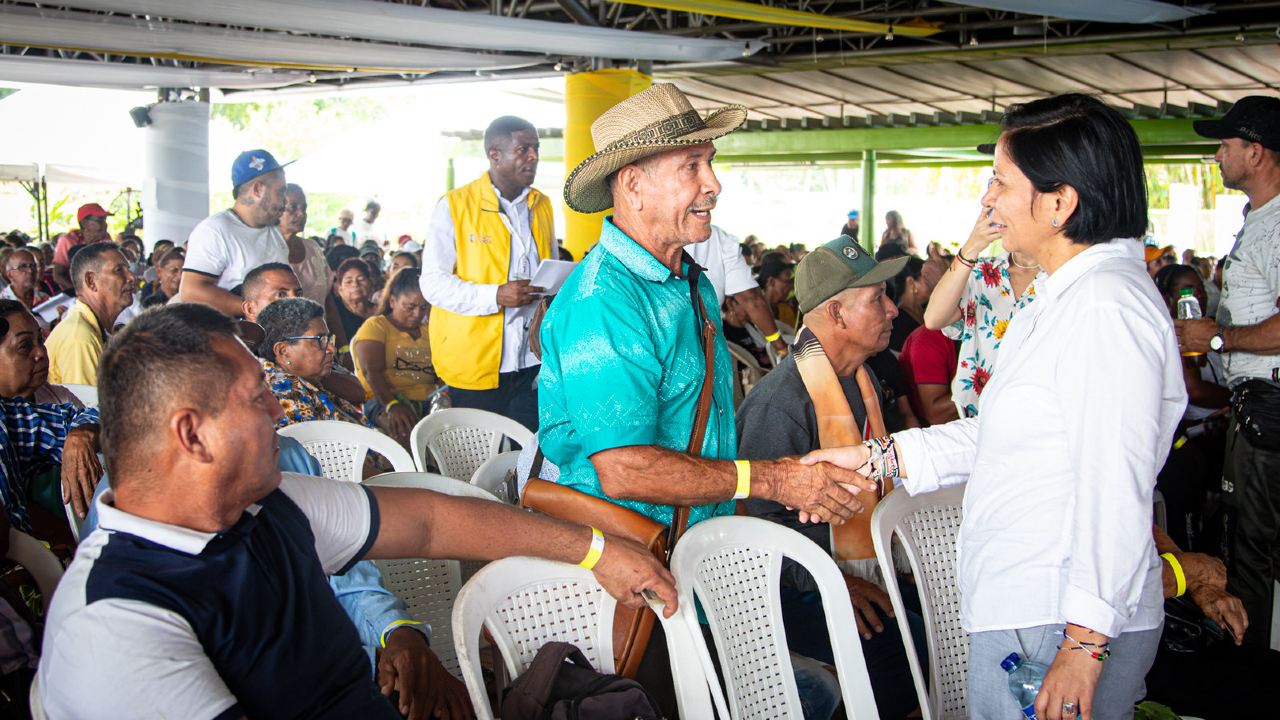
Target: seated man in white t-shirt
(225,246)
(729,273)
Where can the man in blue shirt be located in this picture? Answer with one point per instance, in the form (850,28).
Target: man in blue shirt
(202,593)
(33,438)
(622,357)
(623,362)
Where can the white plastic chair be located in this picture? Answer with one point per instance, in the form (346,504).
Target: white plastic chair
(747,372)
(927,525)
(526,603)
(86,394)
(461,439)
(492,476)
(43,565)
(429,587)
(340,447)
(733,565)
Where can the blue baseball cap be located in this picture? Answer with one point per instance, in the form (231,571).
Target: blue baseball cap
(251,164)
(853,214)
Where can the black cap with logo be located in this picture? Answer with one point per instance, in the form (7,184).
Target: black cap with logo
(1255,118)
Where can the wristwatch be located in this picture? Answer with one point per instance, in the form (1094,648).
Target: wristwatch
(1216,343)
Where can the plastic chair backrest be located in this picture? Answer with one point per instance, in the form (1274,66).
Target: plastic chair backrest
(43,565)
(927,525)
(492,476)
(340,447)
(734,565)
(525,603)
(87,394)
(429,587)
(748,371)
(461,439)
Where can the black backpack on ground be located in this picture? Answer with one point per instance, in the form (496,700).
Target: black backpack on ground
(561,685)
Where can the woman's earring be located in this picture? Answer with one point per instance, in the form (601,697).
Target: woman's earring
(1055,222)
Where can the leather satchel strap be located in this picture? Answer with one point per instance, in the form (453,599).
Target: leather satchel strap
(702,415)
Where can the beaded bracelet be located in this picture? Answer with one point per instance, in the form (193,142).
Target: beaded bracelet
(882,460)
(1097,651)
(964,260)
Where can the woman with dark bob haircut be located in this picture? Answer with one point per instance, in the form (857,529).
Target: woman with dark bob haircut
(1056,556)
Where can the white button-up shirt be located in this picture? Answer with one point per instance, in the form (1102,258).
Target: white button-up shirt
(1076,422)
(442,288)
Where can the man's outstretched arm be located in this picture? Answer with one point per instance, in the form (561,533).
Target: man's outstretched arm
(421,523)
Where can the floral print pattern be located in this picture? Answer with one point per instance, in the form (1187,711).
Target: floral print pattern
(302,401)
(986,307)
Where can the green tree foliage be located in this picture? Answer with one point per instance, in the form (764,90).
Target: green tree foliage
(294,127)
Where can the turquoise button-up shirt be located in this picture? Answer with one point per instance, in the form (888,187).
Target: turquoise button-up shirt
(622,365)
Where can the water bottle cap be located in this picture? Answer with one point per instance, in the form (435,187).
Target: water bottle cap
(1011,663)
(1186,292)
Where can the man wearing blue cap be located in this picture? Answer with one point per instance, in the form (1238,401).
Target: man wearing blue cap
(850,226)
(225,246)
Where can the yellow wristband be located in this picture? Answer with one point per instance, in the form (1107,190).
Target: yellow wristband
(774,337)
(595,551)
(1178,575)
(388,405)
(395,625)
(744,479)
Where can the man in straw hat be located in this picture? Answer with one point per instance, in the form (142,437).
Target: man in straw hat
(847,317)
(623,356)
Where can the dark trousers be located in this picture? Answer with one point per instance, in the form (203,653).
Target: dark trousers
(1251,487)
(885,654)
(1221,682)
(515,397)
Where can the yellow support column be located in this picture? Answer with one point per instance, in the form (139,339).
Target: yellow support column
(586,96)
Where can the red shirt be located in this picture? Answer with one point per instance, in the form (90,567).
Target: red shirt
(928,358)
(62,249)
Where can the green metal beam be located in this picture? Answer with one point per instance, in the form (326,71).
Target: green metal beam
(932,145)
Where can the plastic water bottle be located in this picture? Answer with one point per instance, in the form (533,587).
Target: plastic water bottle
(1024,681)
(1189,309)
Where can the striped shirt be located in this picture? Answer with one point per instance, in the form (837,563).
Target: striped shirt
(31,436)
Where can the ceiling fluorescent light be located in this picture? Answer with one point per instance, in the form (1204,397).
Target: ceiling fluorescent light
(395,22)
(155,38)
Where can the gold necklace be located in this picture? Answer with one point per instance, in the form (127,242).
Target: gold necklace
(1014,259)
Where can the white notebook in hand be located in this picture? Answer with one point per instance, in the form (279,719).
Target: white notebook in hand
(551,275)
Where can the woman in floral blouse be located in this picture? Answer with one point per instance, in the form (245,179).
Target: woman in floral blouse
(973,303)
(297,351)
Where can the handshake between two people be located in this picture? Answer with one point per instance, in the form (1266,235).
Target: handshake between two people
(828,485)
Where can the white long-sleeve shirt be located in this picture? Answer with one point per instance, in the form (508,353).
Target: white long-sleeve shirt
(442,288)
(1076,422)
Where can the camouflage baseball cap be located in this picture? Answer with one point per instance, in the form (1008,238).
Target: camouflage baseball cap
(837,266)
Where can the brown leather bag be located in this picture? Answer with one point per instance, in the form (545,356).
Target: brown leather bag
(633,627)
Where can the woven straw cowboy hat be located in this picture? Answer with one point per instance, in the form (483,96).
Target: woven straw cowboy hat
(654,121)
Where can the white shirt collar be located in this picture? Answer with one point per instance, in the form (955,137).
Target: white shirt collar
(520,199)
(175,537)
(1077,267)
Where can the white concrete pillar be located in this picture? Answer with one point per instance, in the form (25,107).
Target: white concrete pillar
(175,197)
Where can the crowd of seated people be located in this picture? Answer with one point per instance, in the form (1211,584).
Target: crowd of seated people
(342,329)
